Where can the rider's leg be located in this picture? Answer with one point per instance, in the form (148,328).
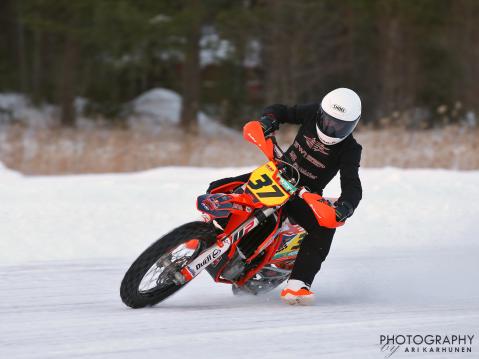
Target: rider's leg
(316,244)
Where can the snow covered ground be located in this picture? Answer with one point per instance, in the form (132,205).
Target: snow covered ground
(406,263)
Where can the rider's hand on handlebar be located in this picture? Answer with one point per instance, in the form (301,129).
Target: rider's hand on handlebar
(269,124)
(344,210)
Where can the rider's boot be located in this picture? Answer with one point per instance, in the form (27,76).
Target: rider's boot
(297,292)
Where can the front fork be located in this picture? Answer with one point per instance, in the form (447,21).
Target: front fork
(214,252)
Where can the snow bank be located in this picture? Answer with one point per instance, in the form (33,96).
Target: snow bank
(96,216)
(156,109)
(162,104)
(162,107)
(18,107)
(6,173)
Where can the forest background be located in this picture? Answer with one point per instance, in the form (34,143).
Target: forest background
(125,85)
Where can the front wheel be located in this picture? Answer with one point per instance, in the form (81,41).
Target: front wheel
(151,278)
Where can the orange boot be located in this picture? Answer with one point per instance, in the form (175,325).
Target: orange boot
(297,292)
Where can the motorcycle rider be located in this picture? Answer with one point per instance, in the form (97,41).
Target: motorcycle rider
(323,146)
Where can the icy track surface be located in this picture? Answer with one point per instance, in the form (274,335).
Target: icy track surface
(405,263)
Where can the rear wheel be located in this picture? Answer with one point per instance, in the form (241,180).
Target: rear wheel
(154,276)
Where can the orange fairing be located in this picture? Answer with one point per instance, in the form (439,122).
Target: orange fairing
(239,216)
(253,132)
(325,214)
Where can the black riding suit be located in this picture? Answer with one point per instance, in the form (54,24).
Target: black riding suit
(317,164)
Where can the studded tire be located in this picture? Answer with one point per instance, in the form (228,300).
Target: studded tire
(130,293)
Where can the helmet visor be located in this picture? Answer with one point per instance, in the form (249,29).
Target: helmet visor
(333,127)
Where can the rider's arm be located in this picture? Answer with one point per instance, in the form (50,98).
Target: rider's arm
(351,190)
(296,114)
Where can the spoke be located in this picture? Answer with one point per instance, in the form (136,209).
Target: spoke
(162,272)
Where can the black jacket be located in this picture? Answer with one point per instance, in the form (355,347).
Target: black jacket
(319,163)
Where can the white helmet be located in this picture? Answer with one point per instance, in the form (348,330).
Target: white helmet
(338,116)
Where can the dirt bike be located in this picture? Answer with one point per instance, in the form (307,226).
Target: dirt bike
(245,239)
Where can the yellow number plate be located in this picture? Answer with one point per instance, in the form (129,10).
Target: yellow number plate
(265,188)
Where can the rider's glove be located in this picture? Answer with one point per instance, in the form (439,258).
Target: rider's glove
(269,123)
(344,210)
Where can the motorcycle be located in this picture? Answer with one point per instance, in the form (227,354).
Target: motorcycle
(245,238)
